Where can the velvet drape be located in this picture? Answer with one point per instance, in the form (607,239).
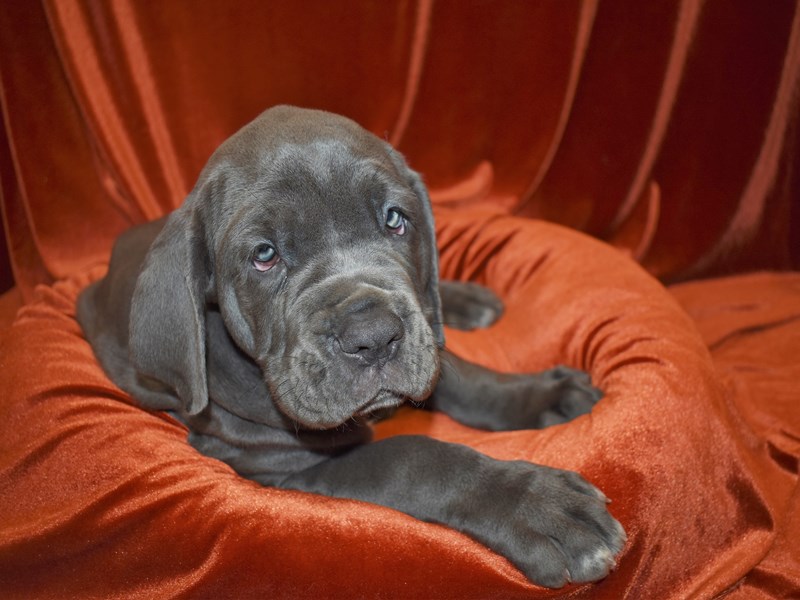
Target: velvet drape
(666,128)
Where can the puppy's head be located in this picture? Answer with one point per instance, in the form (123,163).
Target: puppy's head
(316,241)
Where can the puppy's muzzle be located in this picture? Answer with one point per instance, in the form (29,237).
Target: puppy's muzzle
(368,333)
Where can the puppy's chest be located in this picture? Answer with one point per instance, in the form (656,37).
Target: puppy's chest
(264,452)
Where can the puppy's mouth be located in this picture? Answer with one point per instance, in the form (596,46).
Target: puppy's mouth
(383,404)
(361,349)
(322,411)
(326,416)
(319,395)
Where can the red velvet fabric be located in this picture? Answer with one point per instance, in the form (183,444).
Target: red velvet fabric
(667,129)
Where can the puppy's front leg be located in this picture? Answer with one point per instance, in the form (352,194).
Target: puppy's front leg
(486,399)
(551,524)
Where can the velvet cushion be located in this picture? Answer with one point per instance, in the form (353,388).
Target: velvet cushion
(100,498)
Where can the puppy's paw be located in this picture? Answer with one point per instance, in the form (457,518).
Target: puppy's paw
(558,529)
(467,305)
(538,400)
(569,392)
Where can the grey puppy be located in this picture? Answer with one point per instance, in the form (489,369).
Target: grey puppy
(293,296)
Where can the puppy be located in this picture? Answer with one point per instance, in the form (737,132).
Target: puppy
(294,295)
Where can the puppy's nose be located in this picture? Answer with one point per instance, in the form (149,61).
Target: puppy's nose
(370,334)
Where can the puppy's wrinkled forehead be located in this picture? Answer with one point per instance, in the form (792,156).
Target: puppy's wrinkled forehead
(330,161)
(328,167)
(283,135)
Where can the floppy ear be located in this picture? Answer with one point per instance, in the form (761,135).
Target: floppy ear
(430,254)
(167,322)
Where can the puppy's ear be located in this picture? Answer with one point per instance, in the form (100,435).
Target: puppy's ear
(167,322)
(429,257)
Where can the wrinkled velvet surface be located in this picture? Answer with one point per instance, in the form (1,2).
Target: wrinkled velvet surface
(668,129)
(698,450)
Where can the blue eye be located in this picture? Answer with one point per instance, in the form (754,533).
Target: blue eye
(264,257)
(395,221)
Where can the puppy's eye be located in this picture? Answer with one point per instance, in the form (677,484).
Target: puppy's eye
(395,221)
(264,257)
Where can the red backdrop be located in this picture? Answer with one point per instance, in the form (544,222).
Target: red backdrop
(667,128)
